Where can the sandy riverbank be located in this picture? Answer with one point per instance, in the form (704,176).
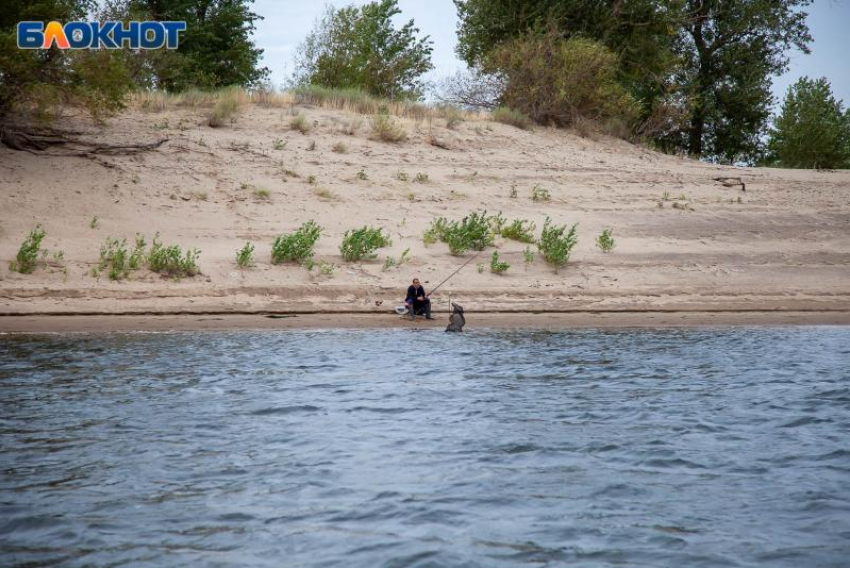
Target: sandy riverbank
(782,245)
(211,322)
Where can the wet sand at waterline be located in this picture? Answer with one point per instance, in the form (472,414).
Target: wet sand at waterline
(781,245)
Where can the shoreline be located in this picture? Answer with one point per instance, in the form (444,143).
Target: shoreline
(70,323)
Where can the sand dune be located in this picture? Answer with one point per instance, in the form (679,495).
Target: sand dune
(784,244)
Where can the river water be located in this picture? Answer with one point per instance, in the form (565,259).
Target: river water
(697,447)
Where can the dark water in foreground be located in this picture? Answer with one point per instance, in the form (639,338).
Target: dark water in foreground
(712,447)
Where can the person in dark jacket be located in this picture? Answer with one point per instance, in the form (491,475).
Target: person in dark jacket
(417,301)
(456,319)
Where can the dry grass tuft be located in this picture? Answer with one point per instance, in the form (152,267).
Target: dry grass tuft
(300,123)
(385,128)
(512,117)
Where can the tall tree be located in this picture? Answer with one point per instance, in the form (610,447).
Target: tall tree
(812,129)
(358,47)
(637,31)
(216,49)
(712,59)
(40,80)
(729,50)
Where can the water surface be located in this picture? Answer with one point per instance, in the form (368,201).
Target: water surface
(703,447)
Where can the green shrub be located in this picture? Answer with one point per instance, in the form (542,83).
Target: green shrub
(170,260)
(436,231)
(560,81)
(512,117)
(138,256)
(540,194)
(297,246)
(25,261)
(385,128)
(114,258)
(518,231)
(475,231)
(605,241)
(420,178)
(245,256)
(554,245)
(358,244)
(496,266)
(528,256)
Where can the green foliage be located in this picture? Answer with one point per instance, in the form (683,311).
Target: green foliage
(540,194)
(245,256)
(215,51)
(475,231)
(812,130)
(170,260)
(554,245)
(385,128)
(360,48)
(496,266)
(326,268)
(27,257)
(513,117)
(528,256)
(297,246)
(359,244)
(518,231)
(93,223)
(138,257)
(114,258)
(420,178)
(40,82)
(605,240)
(699,71)
(560,81)
(361,175)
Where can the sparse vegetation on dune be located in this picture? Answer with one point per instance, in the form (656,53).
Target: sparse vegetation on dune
(475,232)
(521,230)
(605,241)
(170,260)
(27,257)
(227,104)
(299,122)
(497,266)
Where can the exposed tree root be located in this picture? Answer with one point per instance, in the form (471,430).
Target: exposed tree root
(731,182)
(50,142)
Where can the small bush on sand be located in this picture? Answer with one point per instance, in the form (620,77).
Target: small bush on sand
(605,240)
(340,148)
(512,117)
(518,231)
(496,266)
(420,178)
(554,245)
(359,244)
(475,231)
(299,123)
(25,261)
(540,194)
(170,260)
(528,256)
(262,194)
(245,256)
(297,246)
(385,128)
(138,257)
(114,259)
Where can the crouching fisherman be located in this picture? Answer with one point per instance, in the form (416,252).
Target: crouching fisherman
(417,301)
(456,319)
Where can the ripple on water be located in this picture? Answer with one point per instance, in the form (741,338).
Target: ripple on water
(692,447)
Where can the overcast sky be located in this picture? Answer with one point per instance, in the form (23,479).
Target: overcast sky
(288,21)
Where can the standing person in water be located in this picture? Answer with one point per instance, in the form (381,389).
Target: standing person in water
(417,300)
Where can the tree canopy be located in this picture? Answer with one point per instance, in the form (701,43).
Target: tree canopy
(812,129)
(710,61)
(359,48)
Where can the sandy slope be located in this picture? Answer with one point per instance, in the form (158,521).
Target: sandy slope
(786,246)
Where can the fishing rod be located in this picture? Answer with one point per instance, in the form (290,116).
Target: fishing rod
(437,287)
